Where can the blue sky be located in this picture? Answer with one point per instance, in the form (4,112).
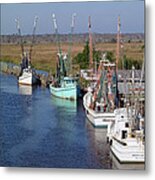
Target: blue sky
(103,16)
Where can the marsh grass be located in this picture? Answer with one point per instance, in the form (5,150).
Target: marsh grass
(44,55)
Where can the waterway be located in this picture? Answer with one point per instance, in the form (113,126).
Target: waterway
(38,130)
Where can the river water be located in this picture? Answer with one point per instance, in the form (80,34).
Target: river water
(38,130)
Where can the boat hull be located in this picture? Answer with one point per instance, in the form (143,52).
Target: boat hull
(64,92)
(27,78)
(128,154)
(127,146)
(98,119)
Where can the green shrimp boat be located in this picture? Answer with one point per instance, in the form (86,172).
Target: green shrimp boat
(64,85)
(67,90)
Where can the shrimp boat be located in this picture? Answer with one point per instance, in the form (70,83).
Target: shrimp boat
(27,75)
(100,102)
(66,90)
(126,144)
(64,85)
(126,135)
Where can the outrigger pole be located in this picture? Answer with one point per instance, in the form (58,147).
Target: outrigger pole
(19,33)
(90,45)
(60,63)
(56,32)
(71,42)
(118,43)
(33,36)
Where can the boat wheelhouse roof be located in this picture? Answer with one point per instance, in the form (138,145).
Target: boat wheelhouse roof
(109,64)
(69,78)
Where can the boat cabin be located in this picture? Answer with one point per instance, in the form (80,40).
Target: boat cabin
(69,81)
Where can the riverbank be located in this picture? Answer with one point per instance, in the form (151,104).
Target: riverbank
(13,69)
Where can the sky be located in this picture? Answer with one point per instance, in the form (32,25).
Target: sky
(103,16)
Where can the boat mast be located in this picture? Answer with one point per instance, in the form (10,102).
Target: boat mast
(118,43)
(19,33)
(117,61)
(90,45)
(61,70)
(56,32)
(33,36)
(71,43)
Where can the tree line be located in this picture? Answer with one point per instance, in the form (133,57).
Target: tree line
(125,62)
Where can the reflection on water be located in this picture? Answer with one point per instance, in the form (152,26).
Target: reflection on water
(99,145)
(64,103)
(25,90)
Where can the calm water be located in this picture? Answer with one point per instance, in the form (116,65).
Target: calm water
(37,130)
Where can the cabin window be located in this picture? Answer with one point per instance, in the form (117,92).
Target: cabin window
(126,124)
(67,82)
(124,134)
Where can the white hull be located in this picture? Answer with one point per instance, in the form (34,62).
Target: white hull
(132,152)
(98,119)
(127,147)
(64,92)
(27,78)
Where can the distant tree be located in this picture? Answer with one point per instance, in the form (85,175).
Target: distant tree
(83,58)
(110,56)
(129,62)
(143,47)
(113,40)
(25,42)
(97,55)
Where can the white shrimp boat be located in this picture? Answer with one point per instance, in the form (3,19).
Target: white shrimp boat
(28,77)
(98,119)
(100,102)
(126,145)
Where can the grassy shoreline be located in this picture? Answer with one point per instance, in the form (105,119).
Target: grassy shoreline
(44,55)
